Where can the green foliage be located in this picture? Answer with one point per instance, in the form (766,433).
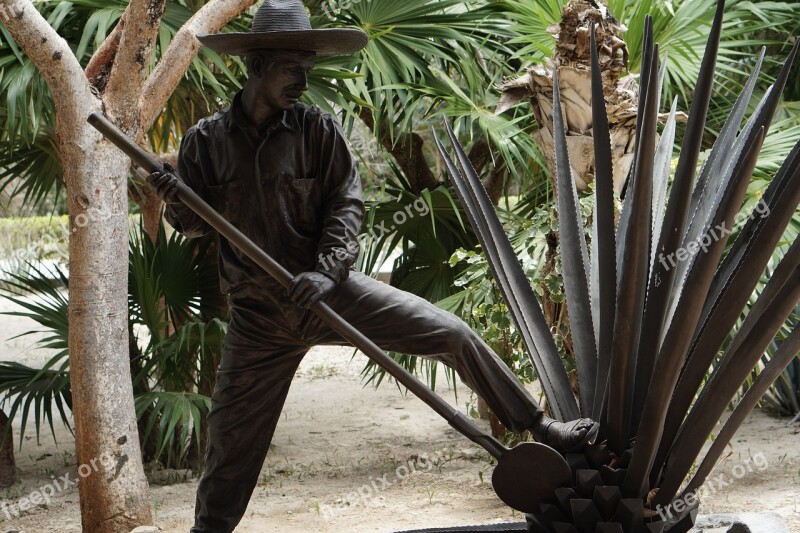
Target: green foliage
(479,301)
(784,395)
(35,391)
(412,73)
(427,228)
(172,348)
(680,27)
(33,239)
(176,417)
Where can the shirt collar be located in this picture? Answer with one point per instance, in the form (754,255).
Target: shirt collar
(235,117)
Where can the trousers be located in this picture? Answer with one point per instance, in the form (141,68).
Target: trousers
(267,339)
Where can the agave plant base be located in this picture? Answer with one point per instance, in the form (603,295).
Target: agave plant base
(595,502)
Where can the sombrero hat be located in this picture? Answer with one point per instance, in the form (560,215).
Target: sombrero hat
(284,24)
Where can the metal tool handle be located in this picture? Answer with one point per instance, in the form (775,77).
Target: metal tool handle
(330,317)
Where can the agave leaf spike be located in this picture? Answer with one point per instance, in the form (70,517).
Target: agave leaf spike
(574,261)
(633,280)
(745,351)
(672,227)
(661,171)
(742,267)
(786,353)
(731,263)
(604,255)
(727,135)
(733,284)
(669,240)
(644,79)
(512,281)
(713,192)
(672,354)
(777,199)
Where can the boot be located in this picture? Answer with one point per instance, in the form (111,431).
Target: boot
(565,436)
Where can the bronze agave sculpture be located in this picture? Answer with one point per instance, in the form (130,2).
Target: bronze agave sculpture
(653,303)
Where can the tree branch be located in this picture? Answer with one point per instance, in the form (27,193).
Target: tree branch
(480,154)
(129,68)
(407,151)
(99,68)
(53,58)
(495,182)
(183,48)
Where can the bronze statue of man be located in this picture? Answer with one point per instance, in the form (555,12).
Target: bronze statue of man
(282,173)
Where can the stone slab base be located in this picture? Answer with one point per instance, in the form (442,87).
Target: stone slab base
(741,523)
(728,523)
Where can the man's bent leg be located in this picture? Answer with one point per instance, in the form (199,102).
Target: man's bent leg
(399,321)
(245,408)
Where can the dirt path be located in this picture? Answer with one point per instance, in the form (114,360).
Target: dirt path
(347,458)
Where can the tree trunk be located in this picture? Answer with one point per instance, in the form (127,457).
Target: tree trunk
(113,488)
(407,150)
(8,467)
(572,58)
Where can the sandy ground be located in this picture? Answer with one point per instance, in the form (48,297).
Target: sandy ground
(349,458)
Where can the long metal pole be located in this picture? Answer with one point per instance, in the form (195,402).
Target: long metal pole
(330,317)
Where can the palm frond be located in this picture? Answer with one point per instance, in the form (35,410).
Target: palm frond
(175,417)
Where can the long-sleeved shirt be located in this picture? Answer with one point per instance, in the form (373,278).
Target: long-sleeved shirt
(292,186)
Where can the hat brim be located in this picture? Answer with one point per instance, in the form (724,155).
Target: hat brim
(325,42)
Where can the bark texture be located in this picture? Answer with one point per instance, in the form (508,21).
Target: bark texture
(407,150)
(113,488)
(178,57)
(8,466)
(572,58)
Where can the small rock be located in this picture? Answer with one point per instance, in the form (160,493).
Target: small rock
(146,529)
(741,523)
(469,453)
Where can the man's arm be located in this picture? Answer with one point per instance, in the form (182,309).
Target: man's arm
(344,208)
(343,216)
(192,163)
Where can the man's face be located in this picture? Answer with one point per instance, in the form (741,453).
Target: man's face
(282,83)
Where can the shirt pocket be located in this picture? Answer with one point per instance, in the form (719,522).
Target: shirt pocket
(303,203)
(227,199)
